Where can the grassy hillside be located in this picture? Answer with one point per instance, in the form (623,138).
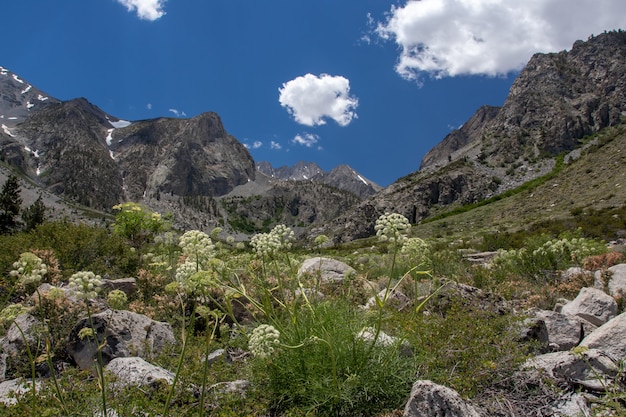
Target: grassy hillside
(592,185)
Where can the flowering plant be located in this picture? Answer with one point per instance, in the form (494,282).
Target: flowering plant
(393,228)
(29,269)
(198,247)
(85,284)
(264,340)
(269,244)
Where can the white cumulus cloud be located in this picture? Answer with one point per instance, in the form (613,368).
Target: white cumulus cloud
(490,37)
(306,139)
(310,99)
(275,145)
(146,9)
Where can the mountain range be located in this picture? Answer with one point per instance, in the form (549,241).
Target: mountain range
(205,177)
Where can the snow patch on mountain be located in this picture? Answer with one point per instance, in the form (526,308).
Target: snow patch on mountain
(7,130)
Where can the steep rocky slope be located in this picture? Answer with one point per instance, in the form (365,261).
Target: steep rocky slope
(558,99)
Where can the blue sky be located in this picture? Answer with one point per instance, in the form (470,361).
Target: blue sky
(370,83)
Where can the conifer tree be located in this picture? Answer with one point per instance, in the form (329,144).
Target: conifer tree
(10,203)
(34,215)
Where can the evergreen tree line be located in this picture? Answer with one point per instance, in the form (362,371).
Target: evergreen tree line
(12,216)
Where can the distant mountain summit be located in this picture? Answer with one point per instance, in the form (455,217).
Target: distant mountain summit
(343,176)
(19,99)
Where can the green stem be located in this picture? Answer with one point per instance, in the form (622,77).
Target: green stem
(205,367)
(47,338)
(180,359)
(99,365)
(31,359)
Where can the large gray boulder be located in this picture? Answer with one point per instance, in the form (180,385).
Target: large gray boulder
(592,305)
(610,338)
(135,371)
(563,331)
(429,399)
(24,333)
(568,366)
(126,334)
(26,330)
(327,270)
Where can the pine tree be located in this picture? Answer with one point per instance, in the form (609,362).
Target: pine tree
(10,203)
(34,215)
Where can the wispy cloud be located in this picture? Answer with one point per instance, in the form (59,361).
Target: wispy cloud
(444,38)
(306,139)
(149,106)
(255,145)
(146,9)
(178,113)
(310,99)
(275,145)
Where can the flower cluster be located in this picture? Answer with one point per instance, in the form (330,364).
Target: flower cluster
(197,246)
(186,270)
(117,299)
(416,250)
(10,312)
(574,249)
(393,228)
(29,269)
(201,281)
(269,244)
(85,284)
(264,340)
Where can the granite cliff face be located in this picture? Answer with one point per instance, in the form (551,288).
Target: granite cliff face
(558,99)
(183,157)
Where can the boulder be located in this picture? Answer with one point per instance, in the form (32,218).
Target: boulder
(592,305)
(563,331)
(368,335)
(127,285)
(25,330)
(239,386)
(326,269)
(395,299)
(616,277)
(575,272)
(534,329)
(17,387)
(610,338)
(134,371)
(126,334)
(568,366)
(429,399)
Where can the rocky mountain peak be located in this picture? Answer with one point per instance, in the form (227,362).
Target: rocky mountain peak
(342,177)
(558,99)
(18,98)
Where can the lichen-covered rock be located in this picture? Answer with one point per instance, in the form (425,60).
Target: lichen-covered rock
(136,371)
(327,270)
(126,334)
(429,399)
